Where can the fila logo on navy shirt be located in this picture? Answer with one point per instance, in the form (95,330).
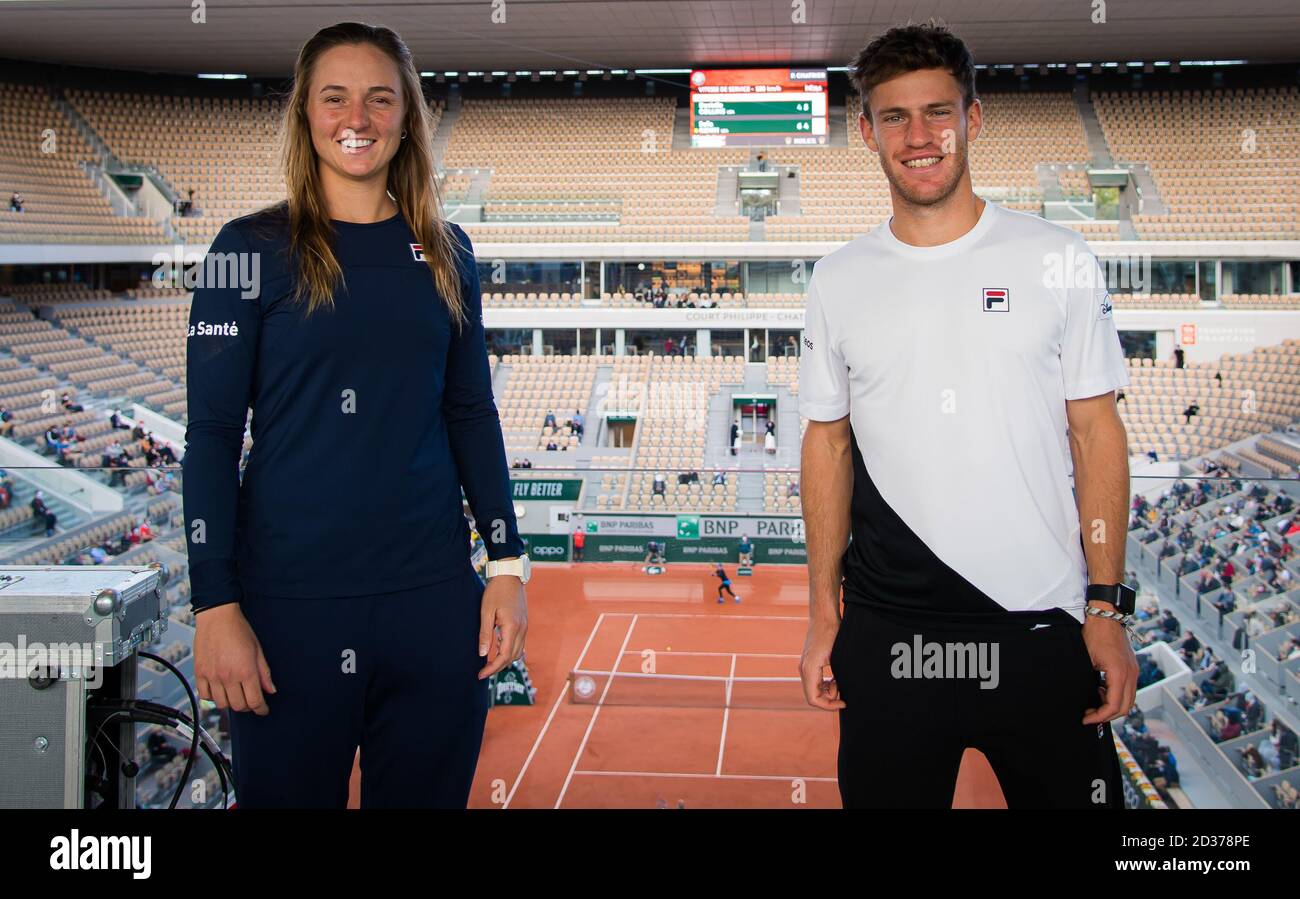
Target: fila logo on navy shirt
(417,250)
(1104,311)
(997,299)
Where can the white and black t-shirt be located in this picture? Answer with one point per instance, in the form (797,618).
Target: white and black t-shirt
(954,364)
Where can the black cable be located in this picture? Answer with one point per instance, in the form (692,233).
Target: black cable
(167,716)
(194,705)
(158,708)
(169,720)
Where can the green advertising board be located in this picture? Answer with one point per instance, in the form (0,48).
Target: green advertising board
(541,489)
(547,547)
(709,550)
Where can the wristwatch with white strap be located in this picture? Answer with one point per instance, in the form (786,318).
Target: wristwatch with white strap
(520,567)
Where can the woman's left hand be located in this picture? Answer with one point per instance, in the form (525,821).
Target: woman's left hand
(503,622)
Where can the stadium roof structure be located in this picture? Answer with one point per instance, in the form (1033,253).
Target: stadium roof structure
(260,39)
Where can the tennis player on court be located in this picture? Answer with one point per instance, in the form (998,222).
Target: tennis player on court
(950,383)
(336,603)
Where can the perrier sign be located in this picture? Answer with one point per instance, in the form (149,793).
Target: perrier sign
(511,686)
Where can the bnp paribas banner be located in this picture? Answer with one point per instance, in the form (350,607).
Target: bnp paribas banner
(695,527)
(558,489)
(706,527)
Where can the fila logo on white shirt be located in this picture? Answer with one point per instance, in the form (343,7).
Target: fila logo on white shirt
(997,299)
(417,250)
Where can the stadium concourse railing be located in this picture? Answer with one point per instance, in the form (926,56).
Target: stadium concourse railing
(1245,634)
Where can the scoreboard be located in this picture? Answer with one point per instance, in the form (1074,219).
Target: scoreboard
(758,107)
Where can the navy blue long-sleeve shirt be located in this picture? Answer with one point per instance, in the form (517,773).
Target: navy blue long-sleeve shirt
(367,421)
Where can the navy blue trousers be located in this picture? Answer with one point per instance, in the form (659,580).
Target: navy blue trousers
(394,674)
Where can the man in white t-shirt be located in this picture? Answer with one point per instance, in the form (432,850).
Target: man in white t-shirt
(958,361)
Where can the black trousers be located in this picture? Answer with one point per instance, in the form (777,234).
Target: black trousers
(1014,686)
(394,674)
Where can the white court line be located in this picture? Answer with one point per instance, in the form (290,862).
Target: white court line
(592,636)
(803,618)
(558,699)
(726,715)
(538,742)
(594,715)
(792,777)
(743,655)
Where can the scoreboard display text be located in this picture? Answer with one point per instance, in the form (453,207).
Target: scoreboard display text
(758,107)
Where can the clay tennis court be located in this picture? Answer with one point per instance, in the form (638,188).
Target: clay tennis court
(689,701)
(683,721)
(639,742)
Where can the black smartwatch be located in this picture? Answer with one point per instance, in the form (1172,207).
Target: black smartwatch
(1121,596)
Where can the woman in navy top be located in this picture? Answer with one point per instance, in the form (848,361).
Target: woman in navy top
(336,603)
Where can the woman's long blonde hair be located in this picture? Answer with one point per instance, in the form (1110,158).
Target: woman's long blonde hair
(411,176)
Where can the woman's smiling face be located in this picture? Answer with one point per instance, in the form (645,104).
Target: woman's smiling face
(356,111)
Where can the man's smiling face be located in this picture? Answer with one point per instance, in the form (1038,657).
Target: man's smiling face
(919,128)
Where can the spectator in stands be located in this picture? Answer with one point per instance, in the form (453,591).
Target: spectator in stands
(149,451)
(1179,356)
(69,405)
(42,513)
(116,457)
(528,463)
(7,422)
(551,446)
(719,478)
(1218,376)
(1252,710)
(669,346)
(1148,671)
(1192,409)
(1207,583)
(516,463)
(659,486)
(164,450)
(792,489)
(53,440)
(118,422)
(762,162)
(16,202)
(1151,454)
(1288,746)
(735,437)
(549,421)
(158,483)
(769,442)
(578,422)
